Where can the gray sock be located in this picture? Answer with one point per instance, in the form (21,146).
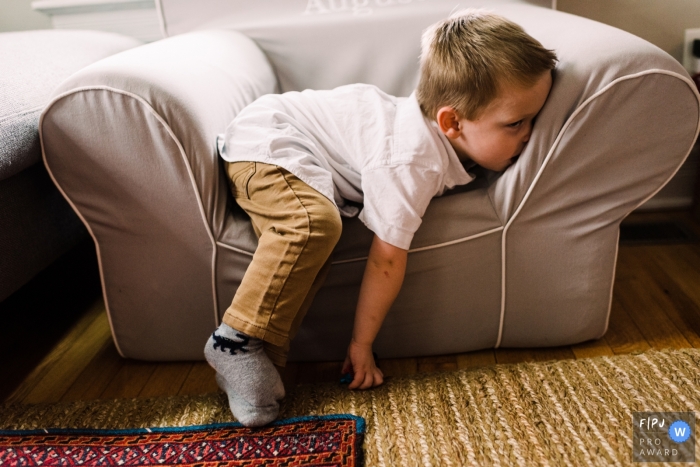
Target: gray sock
(248,415)
(247,375)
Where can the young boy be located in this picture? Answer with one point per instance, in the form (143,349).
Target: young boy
(298,161)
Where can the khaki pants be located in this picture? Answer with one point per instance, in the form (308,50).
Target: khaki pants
(297,229)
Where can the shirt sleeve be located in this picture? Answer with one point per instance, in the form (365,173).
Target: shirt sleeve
(395,199)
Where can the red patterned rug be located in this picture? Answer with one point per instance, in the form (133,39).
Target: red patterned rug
(330,440)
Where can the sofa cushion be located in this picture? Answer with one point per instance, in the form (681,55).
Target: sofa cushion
(33,64)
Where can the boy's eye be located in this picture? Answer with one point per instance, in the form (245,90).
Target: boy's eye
(515,124)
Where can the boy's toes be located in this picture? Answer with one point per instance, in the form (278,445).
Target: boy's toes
(247,414)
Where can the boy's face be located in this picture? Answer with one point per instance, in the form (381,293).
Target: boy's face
(498,135)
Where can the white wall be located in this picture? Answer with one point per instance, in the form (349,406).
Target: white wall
(661,22)
(17,15)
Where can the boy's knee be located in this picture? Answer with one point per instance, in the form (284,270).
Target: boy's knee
(334,225)
(327,226)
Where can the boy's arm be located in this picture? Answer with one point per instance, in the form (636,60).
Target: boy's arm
(381,283)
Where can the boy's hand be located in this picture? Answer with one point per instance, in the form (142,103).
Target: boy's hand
(384,273)
(360,361)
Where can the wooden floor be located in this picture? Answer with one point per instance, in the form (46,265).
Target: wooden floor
(656,304)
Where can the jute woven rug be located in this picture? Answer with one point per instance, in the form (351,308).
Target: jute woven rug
(565,413)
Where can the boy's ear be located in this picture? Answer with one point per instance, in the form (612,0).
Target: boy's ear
(448,121)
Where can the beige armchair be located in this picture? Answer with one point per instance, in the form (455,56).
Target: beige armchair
(522,258)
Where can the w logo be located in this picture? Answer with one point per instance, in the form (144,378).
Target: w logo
(679,431)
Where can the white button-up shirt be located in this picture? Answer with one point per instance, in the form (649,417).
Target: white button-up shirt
(353,144)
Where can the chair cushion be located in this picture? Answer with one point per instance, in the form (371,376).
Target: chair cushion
(322,44)
(33,64)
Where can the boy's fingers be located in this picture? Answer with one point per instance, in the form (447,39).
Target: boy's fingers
(359,379)
(368,382)
(378,378)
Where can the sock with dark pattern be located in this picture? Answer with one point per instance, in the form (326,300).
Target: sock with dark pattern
(246,374)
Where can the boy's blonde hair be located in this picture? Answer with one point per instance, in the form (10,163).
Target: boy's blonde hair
(467,57)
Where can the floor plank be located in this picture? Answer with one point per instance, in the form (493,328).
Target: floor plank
(56,373)
(398,366)
(437,363)
(199,380)
(166,379)
(476,359)
(681,309)
(97,375)
(674,262)
(129,380)
(639,299)
(623,336)
(675,308)
(592,348)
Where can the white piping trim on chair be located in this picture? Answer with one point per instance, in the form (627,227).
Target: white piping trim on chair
(189,172)
(569,121)
(453,242)
(364,258)
(233,248)
(429,247)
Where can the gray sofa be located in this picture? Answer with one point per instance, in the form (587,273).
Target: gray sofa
(36,224)
(522,258)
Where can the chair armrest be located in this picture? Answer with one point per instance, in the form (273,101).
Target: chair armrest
(619,122)
(195,83)
(131,143)
(621,118)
